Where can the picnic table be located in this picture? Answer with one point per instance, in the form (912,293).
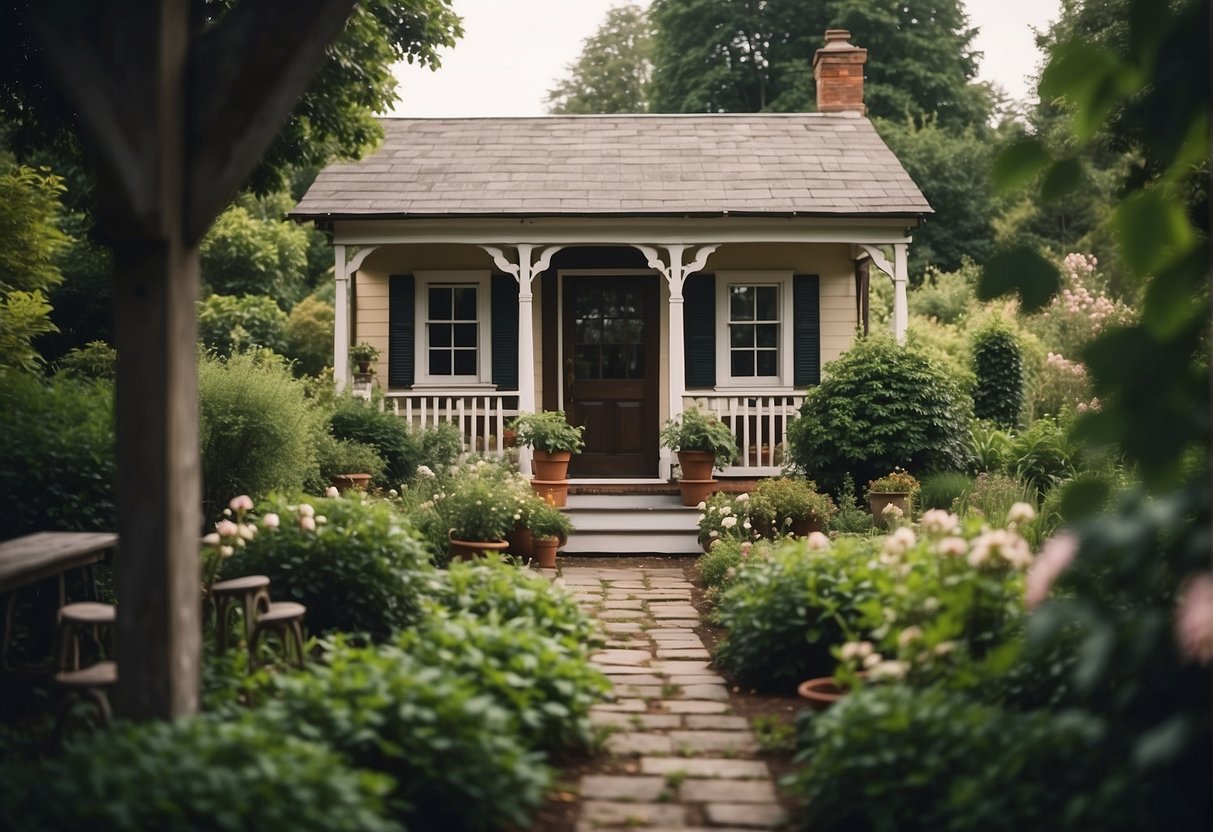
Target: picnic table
(37,557)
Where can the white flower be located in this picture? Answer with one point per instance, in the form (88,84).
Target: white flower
(938,522)
(713,533)
(731,572)
(747,525)
(702,505)
(1055,557)
(332,491)
(889,670)
(729,522)
(908,636)
(226,551)
(211,539)
(817,541)
(856,650)
(1021,513)
(898,542)
(247,531)
(391,492)
(871,660)
(270,521)
(1001,544)
(952,547)
(424,471)
(930,604)
(241,503)
(743,498)
(726,510)
(226,528)
(944,648)
(306,510)
(321,519)
(307,523)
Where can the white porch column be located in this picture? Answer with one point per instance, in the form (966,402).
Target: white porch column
(341,321)
(524,271)
(675,272)
(898,272)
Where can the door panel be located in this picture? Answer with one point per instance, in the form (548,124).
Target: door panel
(610,378)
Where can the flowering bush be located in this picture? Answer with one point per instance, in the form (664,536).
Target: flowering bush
(719,567)
(781,502)
(228,535)
(899,481)
(1081,310)
(1059,383)
(725,516)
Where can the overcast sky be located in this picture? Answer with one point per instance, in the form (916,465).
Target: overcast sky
(513,51)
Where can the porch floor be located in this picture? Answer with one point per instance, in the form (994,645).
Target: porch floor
(733,485)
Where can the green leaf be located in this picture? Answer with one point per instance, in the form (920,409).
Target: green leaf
(1063,178)
(1154,231)
(1023,270)
(1019,162)
(1083,498)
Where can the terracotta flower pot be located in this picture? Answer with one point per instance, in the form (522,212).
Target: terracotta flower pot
(545,552)
(472,549)
(821,693)
(878,500)
(695,492)
(344,482)
(554,492)
(551,466)
(696,465)
(522,542)
(805,526)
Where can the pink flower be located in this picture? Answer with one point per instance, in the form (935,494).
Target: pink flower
(306,510)
(226,528)
(952,547)
(307,523)
(937,521)
(211,539)
(242,503)
(332,491)
(1194,619)
(817,541)
(1055,557)
(270,521)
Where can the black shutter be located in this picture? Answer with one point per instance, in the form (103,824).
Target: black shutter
(806,330)
(504,323)
(699,330)
(401,347)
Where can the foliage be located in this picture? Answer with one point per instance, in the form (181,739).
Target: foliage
(943,488)
(257,429)
(362,351)
(895,482)
(346,456)
(784,613)
(1043,456)
(361,421)
(696,430)
(893,757)
(438,446)
(546,684)
(95,360)
(199,773)
(1080,310)
(309,335)
(612,73)
(725,516)
(544,520)
(354,562)
(480,502)
(453,751)
(852,518)
(243,254)
(998,365)
(1060,383)
(945,297)
(548,431)
(228,324)
(779,502)
(23,317)
(58,451)
(989,448)
(879,406)
(992,495)
(719,567)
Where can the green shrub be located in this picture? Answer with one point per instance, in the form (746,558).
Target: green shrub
(194,774)
(725,516)
(57,448)
(308,334)
(95,360)
(989,448)
(852,518)
(943,489)
(905,759)
(547,684)
(719,567)
(257,429)
(454,752)
(357,565)
(362,421)
(945,296)
(698,430)
(438,446)
(228,324)
(548,431)
(783,614)
(879,407)
(992,496)
(345,456)
(998,365)
(1042,456)
(779,502)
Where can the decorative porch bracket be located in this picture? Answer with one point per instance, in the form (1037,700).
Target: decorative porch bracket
(675,273)
(343,270)
(898,271)
(524,271)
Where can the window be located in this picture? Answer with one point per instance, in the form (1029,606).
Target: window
(753,331)
(452,339)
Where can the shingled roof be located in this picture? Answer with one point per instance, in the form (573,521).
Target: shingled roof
(627,165)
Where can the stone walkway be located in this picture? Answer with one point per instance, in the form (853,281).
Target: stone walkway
(679,759)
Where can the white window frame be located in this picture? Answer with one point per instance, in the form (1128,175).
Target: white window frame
(724,365)
(484,341)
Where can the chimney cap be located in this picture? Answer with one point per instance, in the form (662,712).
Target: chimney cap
(837,40)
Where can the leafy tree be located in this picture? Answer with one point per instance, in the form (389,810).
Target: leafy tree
(998,365)
(244,254)
(309,335)
(613,71)
(230,324)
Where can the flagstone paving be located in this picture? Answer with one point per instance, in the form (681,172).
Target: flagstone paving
(678,758)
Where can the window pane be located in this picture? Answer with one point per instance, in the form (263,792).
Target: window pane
(767,335)
(440,335)
(465,303)
(768,363)
(586,362)
(633,331)
(741,335)
(465,335)
(741,303)
(636,361)
(589,331)
(614,331)
(768,303)
(742,363)
(588,304)
(440,303)
(614,364)
(440,362)
(465,362)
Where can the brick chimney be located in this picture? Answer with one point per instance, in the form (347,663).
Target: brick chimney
(838,71)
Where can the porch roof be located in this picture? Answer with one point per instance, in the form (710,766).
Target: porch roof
(812,164)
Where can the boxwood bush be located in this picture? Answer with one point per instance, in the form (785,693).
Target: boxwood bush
(357,566)
(200,774)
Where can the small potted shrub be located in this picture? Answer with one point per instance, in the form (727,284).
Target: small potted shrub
(724,517)
(786,505)
(363,354)
(550,529)
(703,443)
(479,512)
(891,496)
(554,442)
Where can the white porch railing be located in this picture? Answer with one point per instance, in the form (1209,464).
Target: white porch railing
(481,418)
(759,421)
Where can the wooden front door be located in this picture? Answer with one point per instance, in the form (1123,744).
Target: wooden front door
(610,373)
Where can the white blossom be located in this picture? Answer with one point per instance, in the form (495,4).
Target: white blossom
(938,522)
(1021,513)
(332,491)
(816,541)
(270,521)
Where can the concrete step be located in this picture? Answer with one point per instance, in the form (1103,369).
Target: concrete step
(630,524)
(622,543)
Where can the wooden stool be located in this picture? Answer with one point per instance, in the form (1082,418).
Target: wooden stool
(84,617)
(286,619)
(92,684)
(250,593)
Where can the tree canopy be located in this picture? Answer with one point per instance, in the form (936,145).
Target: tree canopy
(612,74)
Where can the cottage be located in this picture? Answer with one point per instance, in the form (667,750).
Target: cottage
(618,267)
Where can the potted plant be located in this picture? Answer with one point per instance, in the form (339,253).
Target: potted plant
(703,443)
(478,512)
(784,505)
(891,496)
(554,442)
(550,529)
(363,354)
(724,517)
